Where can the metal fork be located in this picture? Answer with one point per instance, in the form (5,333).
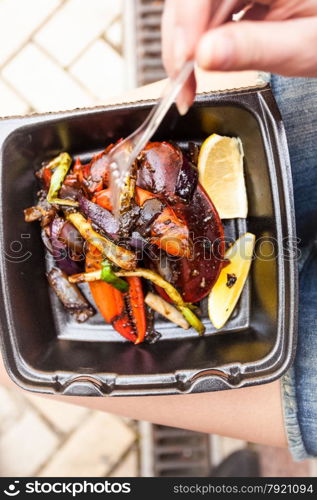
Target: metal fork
(122,156)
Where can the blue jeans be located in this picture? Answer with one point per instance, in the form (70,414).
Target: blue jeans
(297,100)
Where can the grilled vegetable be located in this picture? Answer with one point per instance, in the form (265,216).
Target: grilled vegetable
(138,242)
(70,295)
(97,172)
(160,164)
(73,239)
(61,164)
(128,192)
(99,216)
(60,250)
(165,215)
(126,311)
(43,212)
(187,180)
(166,309)
(108,299)
(197,275)
(171,234)
(136,307)
(167,230)
(32,214)
(103,198)
(171,292)
(88,277)
(162,173)
(120,256)
(45,175)
(165,170)
(108,276)
(151,209)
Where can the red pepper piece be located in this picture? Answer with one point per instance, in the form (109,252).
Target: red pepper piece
(47,175)
(171,234)
(141,196)
(103,199)
(168,231)
(135,320)
(136,298)
(94,175)
(126,311)
(77,165)
(74,179)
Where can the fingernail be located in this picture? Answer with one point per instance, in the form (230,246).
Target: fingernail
(182,106)
(215,51)
(179,49)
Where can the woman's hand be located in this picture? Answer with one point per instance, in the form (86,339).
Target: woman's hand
(279,36)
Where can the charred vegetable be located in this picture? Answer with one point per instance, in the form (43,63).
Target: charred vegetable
(160,164)
(99,216)
(198,274)
(165,216)
(167,230)
(198,270)
(70,295)
(95,175)
(43,212)
(108,276)
(187,180)
(73,239)
(61,164)
(103,198)
(60,250)
(170,291)
(166,309)
(165,170)
(120,256)
(126,311)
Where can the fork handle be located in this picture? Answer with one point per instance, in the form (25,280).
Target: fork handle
(144,133)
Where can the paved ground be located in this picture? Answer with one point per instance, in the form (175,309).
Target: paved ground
(46,438)
(59,54)
(55,55)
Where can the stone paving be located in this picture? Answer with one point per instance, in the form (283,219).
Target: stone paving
(59,54)
(46,438)
(56,55)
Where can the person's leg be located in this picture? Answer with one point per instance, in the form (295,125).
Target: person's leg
(305,366)
(254,414)
(297,99)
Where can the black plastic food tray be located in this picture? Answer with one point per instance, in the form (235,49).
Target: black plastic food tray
(46,351)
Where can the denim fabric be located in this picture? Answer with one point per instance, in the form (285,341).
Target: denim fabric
(297,100)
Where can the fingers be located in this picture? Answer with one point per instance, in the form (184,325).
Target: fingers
(183,23)
(291,9)
(286,47)
(187,95)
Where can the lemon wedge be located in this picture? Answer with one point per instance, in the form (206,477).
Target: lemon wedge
(228,287)
(220,169)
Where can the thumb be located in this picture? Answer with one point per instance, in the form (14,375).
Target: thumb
(286,47)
